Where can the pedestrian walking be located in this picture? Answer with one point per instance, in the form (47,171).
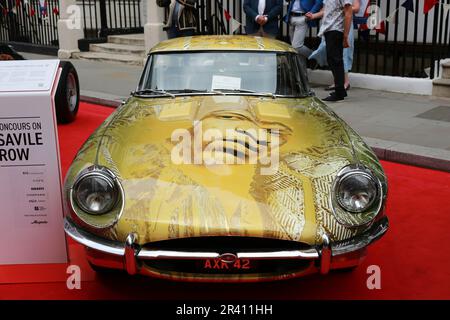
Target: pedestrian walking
(299,24)
(182,20)
(335,27)
(320,55)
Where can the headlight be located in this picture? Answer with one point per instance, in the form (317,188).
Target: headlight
(357,196)
(95,192)
(356,192)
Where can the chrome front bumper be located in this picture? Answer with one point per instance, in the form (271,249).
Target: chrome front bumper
(132,252)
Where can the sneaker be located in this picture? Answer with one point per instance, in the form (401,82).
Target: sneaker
(333,98)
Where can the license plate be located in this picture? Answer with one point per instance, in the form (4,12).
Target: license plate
(218,264)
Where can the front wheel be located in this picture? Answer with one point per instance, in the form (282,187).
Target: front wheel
(67,98)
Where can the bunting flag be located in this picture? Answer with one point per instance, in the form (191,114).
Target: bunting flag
(409,5)
(363,14)
(43,7)
(55,11)
(381,28)
(357,21)
(227,15)
(5,11)
(392,17)
(445,8)
(18,2)
(32,12)
(234,24)
(428,5)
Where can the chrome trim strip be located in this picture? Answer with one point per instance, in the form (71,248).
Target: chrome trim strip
(77,234)
(376,231)
(294,254)
(325,255)
(163,254)
(130,254)
(115,248)
(246,94)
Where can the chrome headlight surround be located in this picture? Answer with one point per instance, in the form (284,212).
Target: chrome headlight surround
(111,213)
(356,218)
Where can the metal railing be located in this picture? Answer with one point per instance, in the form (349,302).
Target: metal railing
(28,22)
(411,47)
(105,17)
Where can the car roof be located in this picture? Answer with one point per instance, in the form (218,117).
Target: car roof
(222,42)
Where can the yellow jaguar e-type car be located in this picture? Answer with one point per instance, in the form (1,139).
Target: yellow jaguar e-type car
(224,166)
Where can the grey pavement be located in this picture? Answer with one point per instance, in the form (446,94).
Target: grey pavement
(405,128)
(101,80)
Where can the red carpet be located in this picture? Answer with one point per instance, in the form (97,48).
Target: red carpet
(414,256)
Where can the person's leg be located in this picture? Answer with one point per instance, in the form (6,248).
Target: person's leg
(348,58)
(334,44)
(291,30)
(172,32)
(299,30)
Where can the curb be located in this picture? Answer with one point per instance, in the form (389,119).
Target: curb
(412,159)
(101,101)
(387,154)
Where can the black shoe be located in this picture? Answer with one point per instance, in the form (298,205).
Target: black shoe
(333,98)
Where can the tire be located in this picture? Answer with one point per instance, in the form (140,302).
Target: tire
(67,98)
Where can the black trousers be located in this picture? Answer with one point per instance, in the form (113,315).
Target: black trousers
(335,48)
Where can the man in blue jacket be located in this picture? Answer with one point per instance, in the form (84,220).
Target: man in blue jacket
(299,24)
(262,17)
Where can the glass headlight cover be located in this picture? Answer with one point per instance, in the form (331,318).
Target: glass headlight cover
(95,193)
(356,192)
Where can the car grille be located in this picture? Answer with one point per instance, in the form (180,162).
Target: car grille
(255,266)
(223,245)
(227,244)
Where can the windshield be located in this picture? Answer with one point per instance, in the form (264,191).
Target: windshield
(224,72)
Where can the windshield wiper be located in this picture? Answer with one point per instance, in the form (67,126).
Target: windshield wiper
(269,94)
(187,90)
(157,91)
(196,91)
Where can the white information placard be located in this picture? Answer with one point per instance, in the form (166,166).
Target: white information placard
(224,82)
(27,75)
(31,216)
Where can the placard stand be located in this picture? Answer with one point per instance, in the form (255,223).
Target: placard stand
(32,240)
